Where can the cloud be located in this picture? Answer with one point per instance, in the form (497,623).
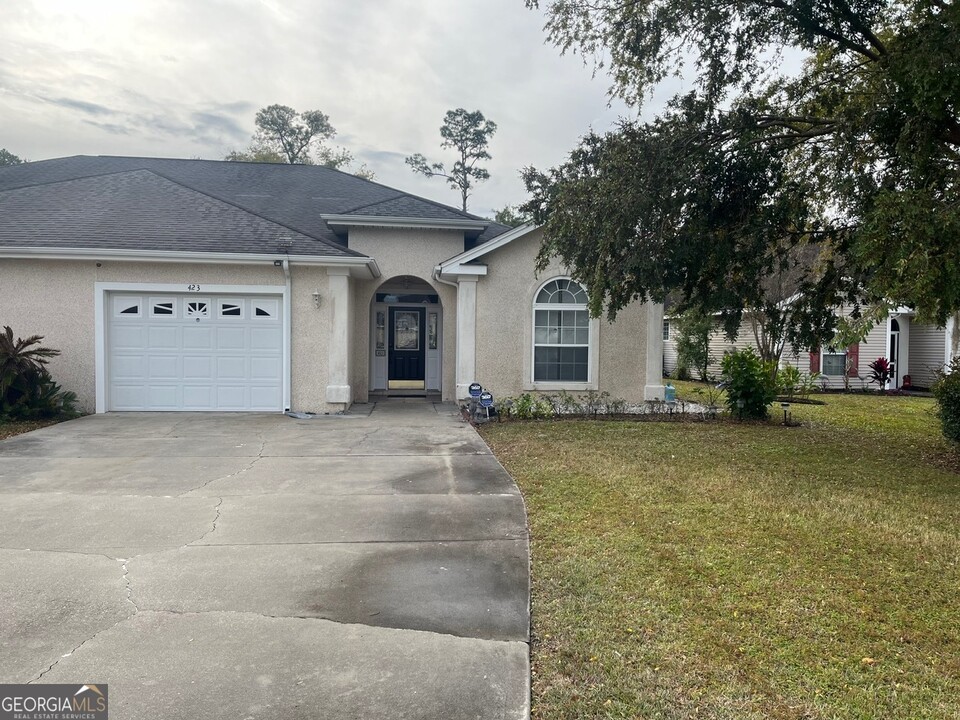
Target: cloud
(112,128)
(81,105)
(209,123)
(186,77)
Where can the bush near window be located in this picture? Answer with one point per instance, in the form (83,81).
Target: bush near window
(946,390)
(748,379)
(27,391)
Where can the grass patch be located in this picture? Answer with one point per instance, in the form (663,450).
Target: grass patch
(728,570)
(9,429)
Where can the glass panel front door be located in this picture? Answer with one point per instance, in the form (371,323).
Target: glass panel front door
(407,360)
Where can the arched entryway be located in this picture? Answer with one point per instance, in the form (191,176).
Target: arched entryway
(406,337)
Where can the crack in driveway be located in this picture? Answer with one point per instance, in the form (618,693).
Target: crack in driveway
(258,458)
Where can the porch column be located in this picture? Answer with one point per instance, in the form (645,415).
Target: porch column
(466,334)
(904,367)
(951,339)
(653,388)
(338,374)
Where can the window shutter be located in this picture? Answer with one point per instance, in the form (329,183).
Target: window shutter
(814,361)
(853,356)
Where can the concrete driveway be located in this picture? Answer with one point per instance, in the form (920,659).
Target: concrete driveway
(372,565)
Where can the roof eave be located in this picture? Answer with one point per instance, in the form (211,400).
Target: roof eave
(361,266)
(340,223)
(458,264)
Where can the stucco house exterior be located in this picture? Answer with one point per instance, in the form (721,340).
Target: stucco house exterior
(915,350)
(192,285)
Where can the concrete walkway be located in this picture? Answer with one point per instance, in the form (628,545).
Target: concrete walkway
(372,565)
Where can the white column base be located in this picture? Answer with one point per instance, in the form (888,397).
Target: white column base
(339,394)
(654,392)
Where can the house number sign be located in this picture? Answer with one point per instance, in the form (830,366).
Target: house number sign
(193,288)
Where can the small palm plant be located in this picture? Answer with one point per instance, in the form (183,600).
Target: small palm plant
(21,357)
(26,389)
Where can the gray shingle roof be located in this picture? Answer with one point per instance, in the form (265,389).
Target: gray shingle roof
(409,206)
(255,202)
(139,210)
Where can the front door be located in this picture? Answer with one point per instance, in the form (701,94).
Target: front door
(407,349)
(894,354)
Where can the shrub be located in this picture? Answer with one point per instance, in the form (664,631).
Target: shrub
(693,343)
(593,403)
(528,407)
(809,383)
(789,380)
(792,383)
(946,390)
(880,372)
(27,391)
(749,382)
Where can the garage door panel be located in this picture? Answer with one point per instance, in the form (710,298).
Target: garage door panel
(226,354)
(164,396)
(232,368)
(198,397)
(198,337)
(128,397)
(263,368)
(163,337)
(264,398)
(164,367)
(233,397)
(129,337)
(198,367)
(265,338)
(129,367)
(231,338)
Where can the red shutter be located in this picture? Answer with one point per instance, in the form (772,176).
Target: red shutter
(853,358)
(814,361)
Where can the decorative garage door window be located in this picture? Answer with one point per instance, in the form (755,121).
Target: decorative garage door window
(163,307)
(561,342)
(406,331)
(198,308)
(265,308)
(127,307)
(230,309)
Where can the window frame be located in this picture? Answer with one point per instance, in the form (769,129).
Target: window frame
(823,364)
(666,329)
(592,342)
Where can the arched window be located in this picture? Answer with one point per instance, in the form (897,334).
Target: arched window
(561,333)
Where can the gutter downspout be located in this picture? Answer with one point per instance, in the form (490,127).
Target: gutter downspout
(287,334)
(436,276)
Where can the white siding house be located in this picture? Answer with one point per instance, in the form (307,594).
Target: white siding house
(917,350)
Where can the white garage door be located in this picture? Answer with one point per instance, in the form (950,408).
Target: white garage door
(186,352)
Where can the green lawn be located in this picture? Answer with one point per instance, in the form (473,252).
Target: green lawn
(727,570)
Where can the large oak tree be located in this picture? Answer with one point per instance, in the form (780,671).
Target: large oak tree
(841,173)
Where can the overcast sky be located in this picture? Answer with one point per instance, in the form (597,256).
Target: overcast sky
(184,78)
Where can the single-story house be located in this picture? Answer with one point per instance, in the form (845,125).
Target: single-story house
(203,285)
(915,350)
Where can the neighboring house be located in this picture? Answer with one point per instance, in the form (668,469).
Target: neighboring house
(203,285)
(914,349)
